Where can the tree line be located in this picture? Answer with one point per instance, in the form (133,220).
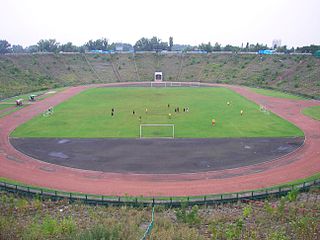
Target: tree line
(143,44)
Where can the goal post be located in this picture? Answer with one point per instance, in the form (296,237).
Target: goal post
(157,130)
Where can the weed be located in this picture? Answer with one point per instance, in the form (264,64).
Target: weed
(305,227)
(190,217)
(292,195)
(49,226)
(281,206)
(278,235)
(22,204)
(268,208)
(247,211)
(99,232)
(67,225)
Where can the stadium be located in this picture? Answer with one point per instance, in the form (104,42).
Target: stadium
(158,129)
(156,138)
(162,120)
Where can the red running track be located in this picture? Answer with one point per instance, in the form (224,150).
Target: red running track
(299,164)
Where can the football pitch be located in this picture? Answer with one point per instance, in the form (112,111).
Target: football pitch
(89,115)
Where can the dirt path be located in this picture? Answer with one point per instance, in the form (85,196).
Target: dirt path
(299,164)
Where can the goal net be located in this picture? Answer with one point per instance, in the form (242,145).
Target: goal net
(156,130)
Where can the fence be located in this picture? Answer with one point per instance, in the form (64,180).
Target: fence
(150,227)
(147,201)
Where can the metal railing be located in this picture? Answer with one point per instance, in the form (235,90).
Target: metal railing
(43,194)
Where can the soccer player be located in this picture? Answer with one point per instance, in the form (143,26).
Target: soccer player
(140,118)
(133,112)
(170,115)
(228,103)
(213,122)
(168,105)
(111,114)
(146,110)
(241,112)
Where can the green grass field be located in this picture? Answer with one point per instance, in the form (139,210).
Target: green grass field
(278,94)
(88,115)
(313,112)
(4,106)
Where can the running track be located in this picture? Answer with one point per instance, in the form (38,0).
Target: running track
(299,164)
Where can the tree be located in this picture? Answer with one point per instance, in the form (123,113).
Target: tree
(230,48)
(153,44)
(127,47)
(206,47)
(257,47)
(308,49)
(48,45)
(217,47)
(170,43)
(32,49)
(247,47)
(282,49)
(143,44)
(18,49)
(4,47)
(99,44)
(69,47)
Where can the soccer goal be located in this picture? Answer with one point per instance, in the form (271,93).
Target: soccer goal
(175,84)
(156,130)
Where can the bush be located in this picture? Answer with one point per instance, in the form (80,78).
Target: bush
(50,227)
(292,195)
(278,235)
(100,232)
(190,217)
(247,211)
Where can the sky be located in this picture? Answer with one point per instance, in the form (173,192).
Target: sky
(295,22)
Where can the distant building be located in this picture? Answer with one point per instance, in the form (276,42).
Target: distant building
(123,47)
(197,52)
(102,51)
(266,52)
(119,48)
